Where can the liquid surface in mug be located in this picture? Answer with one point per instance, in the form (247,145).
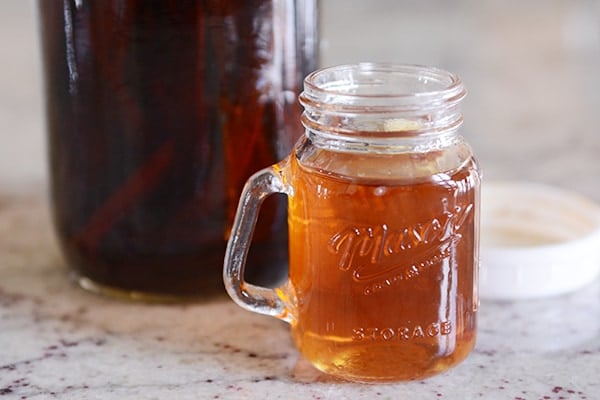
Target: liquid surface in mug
(383,272)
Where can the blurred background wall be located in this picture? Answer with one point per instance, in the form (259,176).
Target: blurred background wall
(532,68)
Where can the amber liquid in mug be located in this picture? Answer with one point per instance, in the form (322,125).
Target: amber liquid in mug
(383,271)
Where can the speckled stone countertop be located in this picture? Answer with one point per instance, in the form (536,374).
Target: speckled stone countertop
(58,341)
(531,68)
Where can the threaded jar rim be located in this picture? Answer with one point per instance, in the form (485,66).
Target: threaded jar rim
(337,81)
(426,97)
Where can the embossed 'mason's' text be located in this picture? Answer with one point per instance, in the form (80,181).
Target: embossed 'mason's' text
(363,250)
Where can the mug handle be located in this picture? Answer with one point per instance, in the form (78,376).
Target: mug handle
(251,297)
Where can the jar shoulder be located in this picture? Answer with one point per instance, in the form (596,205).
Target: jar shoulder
(412,162)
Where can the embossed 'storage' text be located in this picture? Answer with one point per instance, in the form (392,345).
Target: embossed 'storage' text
(403,333)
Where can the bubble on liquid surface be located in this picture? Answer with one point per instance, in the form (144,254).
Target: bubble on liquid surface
(380,190)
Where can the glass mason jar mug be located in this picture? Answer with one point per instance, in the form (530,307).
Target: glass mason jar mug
(383,219)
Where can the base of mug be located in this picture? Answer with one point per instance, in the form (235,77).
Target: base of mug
(374,362)
(130,295)
(382,380)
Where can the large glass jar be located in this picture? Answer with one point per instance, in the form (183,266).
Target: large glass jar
(158,111)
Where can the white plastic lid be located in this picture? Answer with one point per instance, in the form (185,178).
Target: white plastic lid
(536,241)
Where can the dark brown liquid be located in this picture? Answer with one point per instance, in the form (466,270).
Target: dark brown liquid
(158,112)
(384,272)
